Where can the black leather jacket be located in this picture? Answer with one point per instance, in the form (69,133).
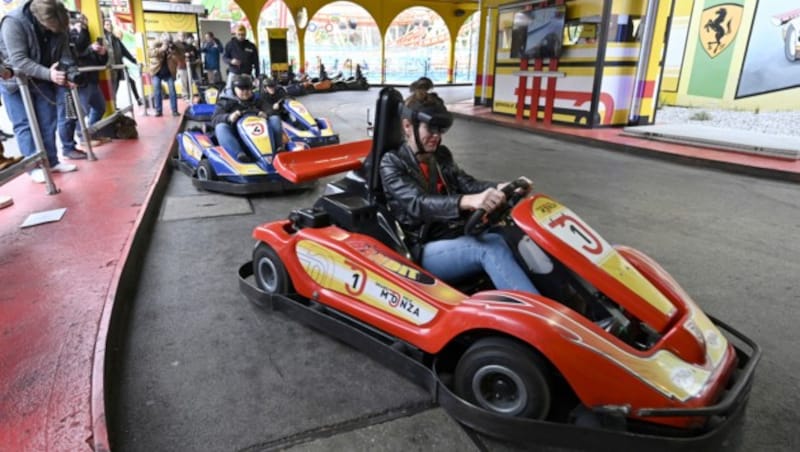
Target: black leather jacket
(426,216)
(228,103)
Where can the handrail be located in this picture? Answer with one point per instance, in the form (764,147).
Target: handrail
(89,130)
(39,158)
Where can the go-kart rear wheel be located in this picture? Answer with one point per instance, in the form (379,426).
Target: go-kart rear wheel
(505,377)
(270,273)
(205,171)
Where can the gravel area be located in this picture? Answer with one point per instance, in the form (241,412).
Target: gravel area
(771,123)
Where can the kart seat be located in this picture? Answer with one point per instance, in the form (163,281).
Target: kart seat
(357,202)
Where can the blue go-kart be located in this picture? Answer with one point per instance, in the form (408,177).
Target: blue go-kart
(214,168)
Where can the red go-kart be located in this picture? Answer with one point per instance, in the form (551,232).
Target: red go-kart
(634,361)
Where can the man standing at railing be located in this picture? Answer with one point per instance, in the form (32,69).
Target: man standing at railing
(32,39)
(92,101)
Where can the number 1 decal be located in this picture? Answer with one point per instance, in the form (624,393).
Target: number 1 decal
(357,281)
(590,243)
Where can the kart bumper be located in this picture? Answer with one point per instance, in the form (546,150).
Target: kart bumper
(602,432)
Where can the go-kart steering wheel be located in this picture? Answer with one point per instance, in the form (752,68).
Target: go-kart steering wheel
(475,225)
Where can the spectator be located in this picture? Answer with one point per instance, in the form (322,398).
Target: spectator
(231,106)
(118,52)
(33,38)
(5,74)
(211,50)
(183,72)
(91,98)
(241,56)
(164,67)
(192,57)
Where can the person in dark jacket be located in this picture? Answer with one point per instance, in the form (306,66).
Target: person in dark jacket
(431,197)
(241,56)
(32,39)
(231,105)
(93,103)
(118,52)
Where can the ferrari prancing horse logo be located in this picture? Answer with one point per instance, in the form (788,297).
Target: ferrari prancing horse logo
(719,26)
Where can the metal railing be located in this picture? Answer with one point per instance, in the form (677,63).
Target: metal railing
(39,158)
(89,130)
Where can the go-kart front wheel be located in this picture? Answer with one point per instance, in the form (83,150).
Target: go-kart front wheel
(270,273)
(205,171)
(505,377)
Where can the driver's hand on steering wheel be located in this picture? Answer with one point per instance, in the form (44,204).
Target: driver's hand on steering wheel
(528,191)
(262,114)
(235,115)
(487,200)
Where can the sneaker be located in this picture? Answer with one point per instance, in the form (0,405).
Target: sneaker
(75,154)
(158,113)
(139,101)
(64,168)
(6,201)
(37,175)
(83,143)
(175,113)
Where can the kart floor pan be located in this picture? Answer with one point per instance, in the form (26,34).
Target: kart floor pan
(276,185)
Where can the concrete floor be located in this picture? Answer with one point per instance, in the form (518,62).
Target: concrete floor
(204,370)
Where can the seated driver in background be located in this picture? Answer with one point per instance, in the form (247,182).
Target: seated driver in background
(432,197)
(231,105)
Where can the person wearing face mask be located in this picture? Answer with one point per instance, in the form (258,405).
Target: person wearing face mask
(432,197)
(241,56)
(33,38)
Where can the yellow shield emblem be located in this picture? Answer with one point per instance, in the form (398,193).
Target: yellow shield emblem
(718,27)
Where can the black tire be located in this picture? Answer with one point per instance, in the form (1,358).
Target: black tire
(505,377)
(790,43)
(270,273)
(205,171)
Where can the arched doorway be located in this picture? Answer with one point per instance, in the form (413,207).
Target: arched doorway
(417,44)
(466,54)
(275,14)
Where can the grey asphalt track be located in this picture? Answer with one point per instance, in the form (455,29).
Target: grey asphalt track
(204,370)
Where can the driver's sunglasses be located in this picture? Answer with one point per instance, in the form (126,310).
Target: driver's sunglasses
(437,124)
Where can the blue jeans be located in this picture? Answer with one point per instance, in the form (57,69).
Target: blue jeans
(454,260)
(173,97)
(275,131)
(92,102)
(66,126)
(44,100)
(228,138)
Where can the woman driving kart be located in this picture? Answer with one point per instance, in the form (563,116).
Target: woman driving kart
(431,197)
(231,105)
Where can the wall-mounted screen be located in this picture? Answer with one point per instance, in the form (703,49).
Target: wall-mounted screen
(538,33)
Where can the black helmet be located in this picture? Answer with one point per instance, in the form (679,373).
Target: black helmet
(242,81)
(430,109)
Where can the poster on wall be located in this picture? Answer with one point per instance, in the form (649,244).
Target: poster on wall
(772,60)
(713,58)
